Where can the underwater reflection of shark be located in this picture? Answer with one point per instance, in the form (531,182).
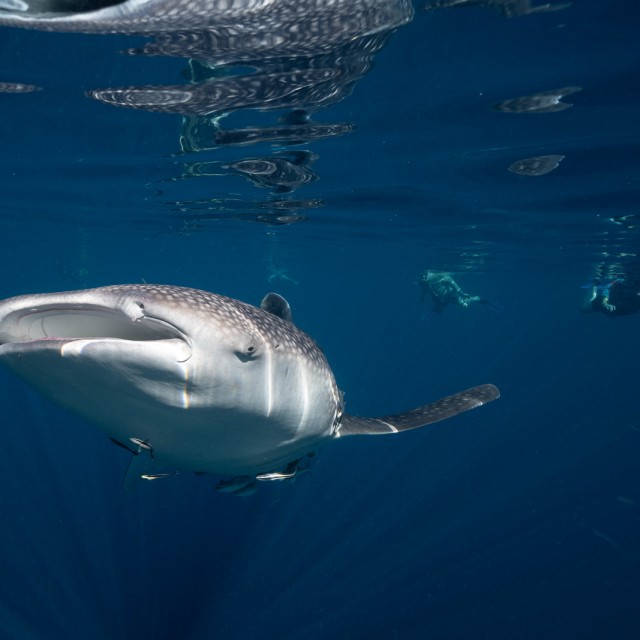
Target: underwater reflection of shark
(18,87)
(508,8)
(283,172)
(542,102)
(263,90)
(156,16)
(127,16)
(245,54)
(537,166)
(192,380)
(202,134)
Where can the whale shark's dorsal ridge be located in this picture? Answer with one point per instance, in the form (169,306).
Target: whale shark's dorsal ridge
(194,380)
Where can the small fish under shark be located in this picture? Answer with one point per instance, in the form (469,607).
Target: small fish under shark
(191,380)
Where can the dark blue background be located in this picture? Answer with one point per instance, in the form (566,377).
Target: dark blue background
(519,520)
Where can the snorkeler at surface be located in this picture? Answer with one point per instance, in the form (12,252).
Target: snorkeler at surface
(615,297)
(444,290)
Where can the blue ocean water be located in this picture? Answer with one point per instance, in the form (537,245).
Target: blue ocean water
(387,152)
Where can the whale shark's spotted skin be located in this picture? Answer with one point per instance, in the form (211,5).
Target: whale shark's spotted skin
(196,380)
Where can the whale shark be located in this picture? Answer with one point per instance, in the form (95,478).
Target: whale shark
(191,380)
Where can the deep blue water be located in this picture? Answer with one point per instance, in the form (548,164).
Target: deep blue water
(518,520)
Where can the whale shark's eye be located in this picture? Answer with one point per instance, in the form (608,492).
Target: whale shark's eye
(250,352)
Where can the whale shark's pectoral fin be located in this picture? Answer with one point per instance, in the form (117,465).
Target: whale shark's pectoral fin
(422,416)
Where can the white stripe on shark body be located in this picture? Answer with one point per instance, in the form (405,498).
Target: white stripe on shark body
(202,382)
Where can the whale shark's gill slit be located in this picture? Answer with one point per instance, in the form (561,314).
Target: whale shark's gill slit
(269,378)
(304,385)
(186,397)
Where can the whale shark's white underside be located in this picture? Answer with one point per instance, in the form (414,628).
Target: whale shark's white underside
(200,381)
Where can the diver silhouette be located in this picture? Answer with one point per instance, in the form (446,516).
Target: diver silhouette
(614,297)
(444,290)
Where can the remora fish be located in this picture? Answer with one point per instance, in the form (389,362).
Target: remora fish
(200,381)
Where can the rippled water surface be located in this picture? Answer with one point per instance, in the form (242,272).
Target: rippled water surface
(333,154)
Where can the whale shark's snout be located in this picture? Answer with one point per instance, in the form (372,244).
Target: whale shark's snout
(98,353)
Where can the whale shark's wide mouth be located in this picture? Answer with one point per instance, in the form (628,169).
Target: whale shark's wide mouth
(78,322)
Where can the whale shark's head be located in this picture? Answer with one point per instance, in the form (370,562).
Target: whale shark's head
(248,389)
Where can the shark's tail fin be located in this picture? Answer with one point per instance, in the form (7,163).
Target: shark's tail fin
(422,416)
